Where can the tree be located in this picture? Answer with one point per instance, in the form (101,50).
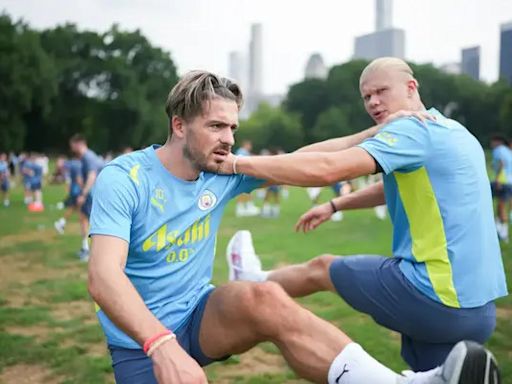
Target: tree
(307,100)
(28,81)
(332,122)
(270,127)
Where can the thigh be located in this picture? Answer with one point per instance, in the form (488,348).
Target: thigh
(360,281)
(376,286)
(225,327)
(240,314)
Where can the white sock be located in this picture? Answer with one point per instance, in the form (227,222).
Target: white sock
(354,366)
(85,243)
(256,276)
(62,221)
(275,210)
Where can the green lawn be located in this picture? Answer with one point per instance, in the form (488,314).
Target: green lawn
(48,331)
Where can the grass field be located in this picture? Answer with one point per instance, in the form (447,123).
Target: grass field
(48,330)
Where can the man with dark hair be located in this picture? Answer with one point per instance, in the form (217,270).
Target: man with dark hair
(91,165)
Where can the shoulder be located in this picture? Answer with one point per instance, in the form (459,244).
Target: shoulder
(133,168)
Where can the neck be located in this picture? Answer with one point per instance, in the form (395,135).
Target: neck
(171,156)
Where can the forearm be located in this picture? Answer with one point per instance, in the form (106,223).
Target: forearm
(118,298)
(91,178)
(341,143)
(308,168)
(368,197)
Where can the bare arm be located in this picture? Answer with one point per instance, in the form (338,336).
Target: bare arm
(115,294)
(368,197)
(306,168)
(89,182)
(365,198)
(341,143)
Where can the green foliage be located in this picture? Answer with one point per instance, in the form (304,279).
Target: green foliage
(111,87)
(27,81)
(270,127)
(331,123)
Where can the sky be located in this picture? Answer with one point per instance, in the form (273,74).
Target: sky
(199,34)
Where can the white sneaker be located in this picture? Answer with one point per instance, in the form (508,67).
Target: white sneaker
(380,212)
(59,227)
(252,210)
(242,260)
(502,229)
(83,255)
(467,363)
(337,216)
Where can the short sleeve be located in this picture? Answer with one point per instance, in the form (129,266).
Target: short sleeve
(402,145)
(245,184)
(114,201)
(92,162)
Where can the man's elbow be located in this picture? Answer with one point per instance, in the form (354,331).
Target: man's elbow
(94,284)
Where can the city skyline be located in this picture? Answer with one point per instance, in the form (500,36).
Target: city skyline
(201,34)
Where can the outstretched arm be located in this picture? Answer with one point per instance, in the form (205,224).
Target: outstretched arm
(306,169)
(341,143)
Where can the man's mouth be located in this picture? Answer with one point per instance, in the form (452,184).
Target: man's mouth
(379,115)
(221,152)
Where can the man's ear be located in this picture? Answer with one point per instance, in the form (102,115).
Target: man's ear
(412,87)
(178,126)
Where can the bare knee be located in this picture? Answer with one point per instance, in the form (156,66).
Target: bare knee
(318,271)
(266,305)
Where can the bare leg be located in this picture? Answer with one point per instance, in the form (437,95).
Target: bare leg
(307,278)
(502,211)
(239,315)
(84,225)
(67,213)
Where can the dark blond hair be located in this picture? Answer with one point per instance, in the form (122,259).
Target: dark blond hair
(188,97)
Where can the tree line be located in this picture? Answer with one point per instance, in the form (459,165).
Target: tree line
(316,109)
(109,86)
(112,88)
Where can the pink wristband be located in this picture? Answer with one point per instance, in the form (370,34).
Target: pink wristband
(151,340)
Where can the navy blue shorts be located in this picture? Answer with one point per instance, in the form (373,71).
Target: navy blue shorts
(375,285)
(87,206)
(504,192)
(4,185)
(71,201)
(132,366)
(35,186)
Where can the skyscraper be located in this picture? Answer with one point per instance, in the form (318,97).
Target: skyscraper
(236,68)
(315,67)
(385,41)
(506,52)
(389,42)
(256,60)
(383,14)
(470,63)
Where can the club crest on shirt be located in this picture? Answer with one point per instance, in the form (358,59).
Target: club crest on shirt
(207,200)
